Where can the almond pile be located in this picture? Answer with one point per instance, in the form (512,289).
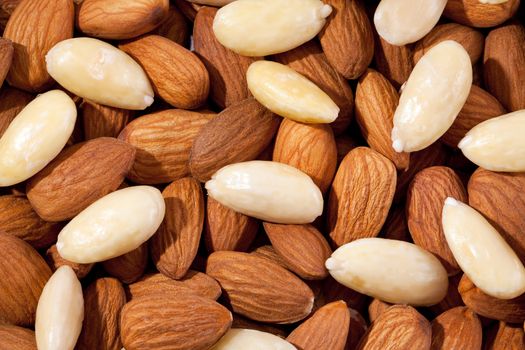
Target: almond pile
(262,175)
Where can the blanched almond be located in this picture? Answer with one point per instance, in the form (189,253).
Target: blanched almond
(497,144)
(266,27)
(36,136)
(432,97)
(289,94)
(481,252)
(394,271)
(269,191)
(100,72)
(242,339)
(114,225)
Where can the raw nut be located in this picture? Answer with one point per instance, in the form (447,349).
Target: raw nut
(243,25)
(60,311)
(78,176)
(360,196)
(259,288)
(36,136)
(55,261)
(481,252)
(120,19)
(425,199)
(452,299)
(239,339)
(98,71)
(217,3)
(177,75)
(501,336)
(399,327)
(114,225)
(187,322)
(12,101)
(332,290)
(476,13)
(432,97)
(402,22)
(394,62)
(375,104)
(163,142)
(310,148)
(269,191)
(394,271)
(19,292)
(130,266)
(506,152)
(289,94)
(268,252)
(376,308)
(457,328)
(327,329)
(174,27)
(103,121)
(6,58)
(34,28)
(16,338)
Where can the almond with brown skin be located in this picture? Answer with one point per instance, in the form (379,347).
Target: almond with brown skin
(331,290)
(128,267)
(376,308)
(259,288)
(103,121)
(6,58)
(16,338)
(54,260)
(12,101)
(268,252)
(457,328)
(174,27)
(163,142)
(394,62)
(177,75)
(474,13)
(310,148)
(360,196)
(452,298)
(505,336)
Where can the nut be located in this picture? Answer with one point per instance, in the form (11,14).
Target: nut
(239,339)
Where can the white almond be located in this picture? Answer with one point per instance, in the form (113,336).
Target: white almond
(289,94)
(60,311)
(497,144)
(432,97)
(243,339)
(493,2)
(269,191)
(266,27)
(390,270)
(114,225)
(36,136)
(216,3)
(402,22)
(95,70)
(481,252)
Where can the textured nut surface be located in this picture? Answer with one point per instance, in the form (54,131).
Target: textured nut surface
(98,71)
(432,97)
(269,191)
(36,135)
(265,27)
(481,252)
(241,339)
(114,225)
(289,94)
(390,270)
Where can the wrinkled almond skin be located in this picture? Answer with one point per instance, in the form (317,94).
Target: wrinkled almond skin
(376,308)
(457,328)
(268,252)
(503,336)
(394,62)
(128,267)
(16,338)
(474,13)
(103,121)
(54,260)
(12,101)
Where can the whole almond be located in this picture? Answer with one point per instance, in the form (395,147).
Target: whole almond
(103,121)
(501,336)
(457,328)
(16,338)
(6,58)
(54,260)
(189,9)
(130,266)
(12,101)
(394,62)
(174,27)
(475,13)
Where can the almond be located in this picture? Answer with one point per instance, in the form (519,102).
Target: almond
(12,101)
(260,289)
(188,9)
(6,58)
(103,121)
(130,266)
(238,339)
(501,336)
(457,328)
(358,328)
(332,291)
(394,62)
(174,27)
(54,260)
(269,252)
(476,13)
(16,338)
(6,9)
(245,323)
(452,299)
(376,308)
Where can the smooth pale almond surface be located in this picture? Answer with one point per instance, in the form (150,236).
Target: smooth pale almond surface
(481,252)
(243,339)
(114,225)
(60,311)
(432,97)
(266,27)
(36,136)
(497,144)
(289,94)
(269,191)
(95,70)
(394,271)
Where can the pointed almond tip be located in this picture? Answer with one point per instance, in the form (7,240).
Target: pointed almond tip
(397,145)
(325,11)
(465,142)
(331,264)
(451,201)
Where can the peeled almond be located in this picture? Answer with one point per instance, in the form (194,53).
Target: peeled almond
(60,311)
(242,339)
(266,27)
(390,270)
(432,98)
(497,144)
(289,94)
(269,191)
(481,252)
(114,225)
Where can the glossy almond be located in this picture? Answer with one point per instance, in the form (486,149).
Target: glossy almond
(457,328)
(130,266)
(476,13)
(16,338)
(103,121)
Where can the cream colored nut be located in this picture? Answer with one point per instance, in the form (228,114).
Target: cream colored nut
(98,71)
(481,252)
(394,271)
(269,191)
(216,3)
(242,339)
(401,22)
(60,311)
(289,94)
(36,136)
(497,144)
(493,2)
(266,27)
(432,97)
(114,225)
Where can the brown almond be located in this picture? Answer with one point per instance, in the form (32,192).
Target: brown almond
(457,328)
(129,267)
(376,308)
(452,298)
(188,9)
(103,121)
(12,101)
(6,58)
(16,338)
(331,290)
(174,27)
(268,252)
(54,260)
(474,13)
(394,62)
(505,336)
